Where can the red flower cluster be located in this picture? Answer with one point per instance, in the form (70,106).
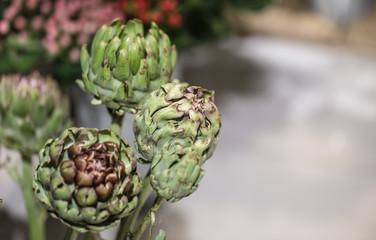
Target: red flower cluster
(153,10)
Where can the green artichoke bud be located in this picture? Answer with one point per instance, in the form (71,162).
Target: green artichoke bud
(87,178)
(125,66)
(32,110)
(176,172)
(177,114)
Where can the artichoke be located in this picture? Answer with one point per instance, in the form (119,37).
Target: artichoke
(177,114)
(125,66)
(32,110)
(176,172)
(87,178)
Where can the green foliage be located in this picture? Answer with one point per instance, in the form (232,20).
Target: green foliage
(253,5)
(19,57)
(204,21)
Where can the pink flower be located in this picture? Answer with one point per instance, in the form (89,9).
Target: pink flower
(51,46)
(82,38)
(20,22)
(37,23)
(10,12)
(65,40)
(74,54)
(66,24)
(46,7)
(22,37)
(4,26)
(51,29)
(31,3)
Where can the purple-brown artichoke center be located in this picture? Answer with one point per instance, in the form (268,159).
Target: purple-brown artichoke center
(94,171)
(200,93)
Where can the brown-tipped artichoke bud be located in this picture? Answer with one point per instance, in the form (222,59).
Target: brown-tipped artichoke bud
(32,110)
(176,172)
(177,114)
(125,65)
(87,178)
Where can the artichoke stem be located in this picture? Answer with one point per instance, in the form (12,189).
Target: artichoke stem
(145,222)
(91,235)
(127,223)
(35,213)
(70,234)
(116,121)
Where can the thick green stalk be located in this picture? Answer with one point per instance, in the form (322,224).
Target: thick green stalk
(116,121)
(145,222)
(70,234)
(91,235)
(116,124)
(127,223)
(36,214)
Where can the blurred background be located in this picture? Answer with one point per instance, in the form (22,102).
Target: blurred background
(295,83)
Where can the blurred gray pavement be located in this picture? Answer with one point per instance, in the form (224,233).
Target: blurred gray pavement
(296,156)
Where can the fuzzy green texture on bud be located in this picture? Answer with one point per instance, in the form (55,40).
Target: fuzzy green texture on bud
(177,129)
(32,110)
(176,172)
(177,114)
(87,178)
(125,65)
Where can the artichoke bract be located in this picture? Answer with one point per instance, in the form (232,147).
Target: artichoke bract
(125,66)
(87,178)
(177,114)
(32,110)
(176,172)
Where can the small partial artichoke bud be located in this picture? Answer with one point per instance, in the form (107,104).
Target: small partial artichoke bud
(177,114)
(176,172)
(87,178)
(125,66)
(32,110)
